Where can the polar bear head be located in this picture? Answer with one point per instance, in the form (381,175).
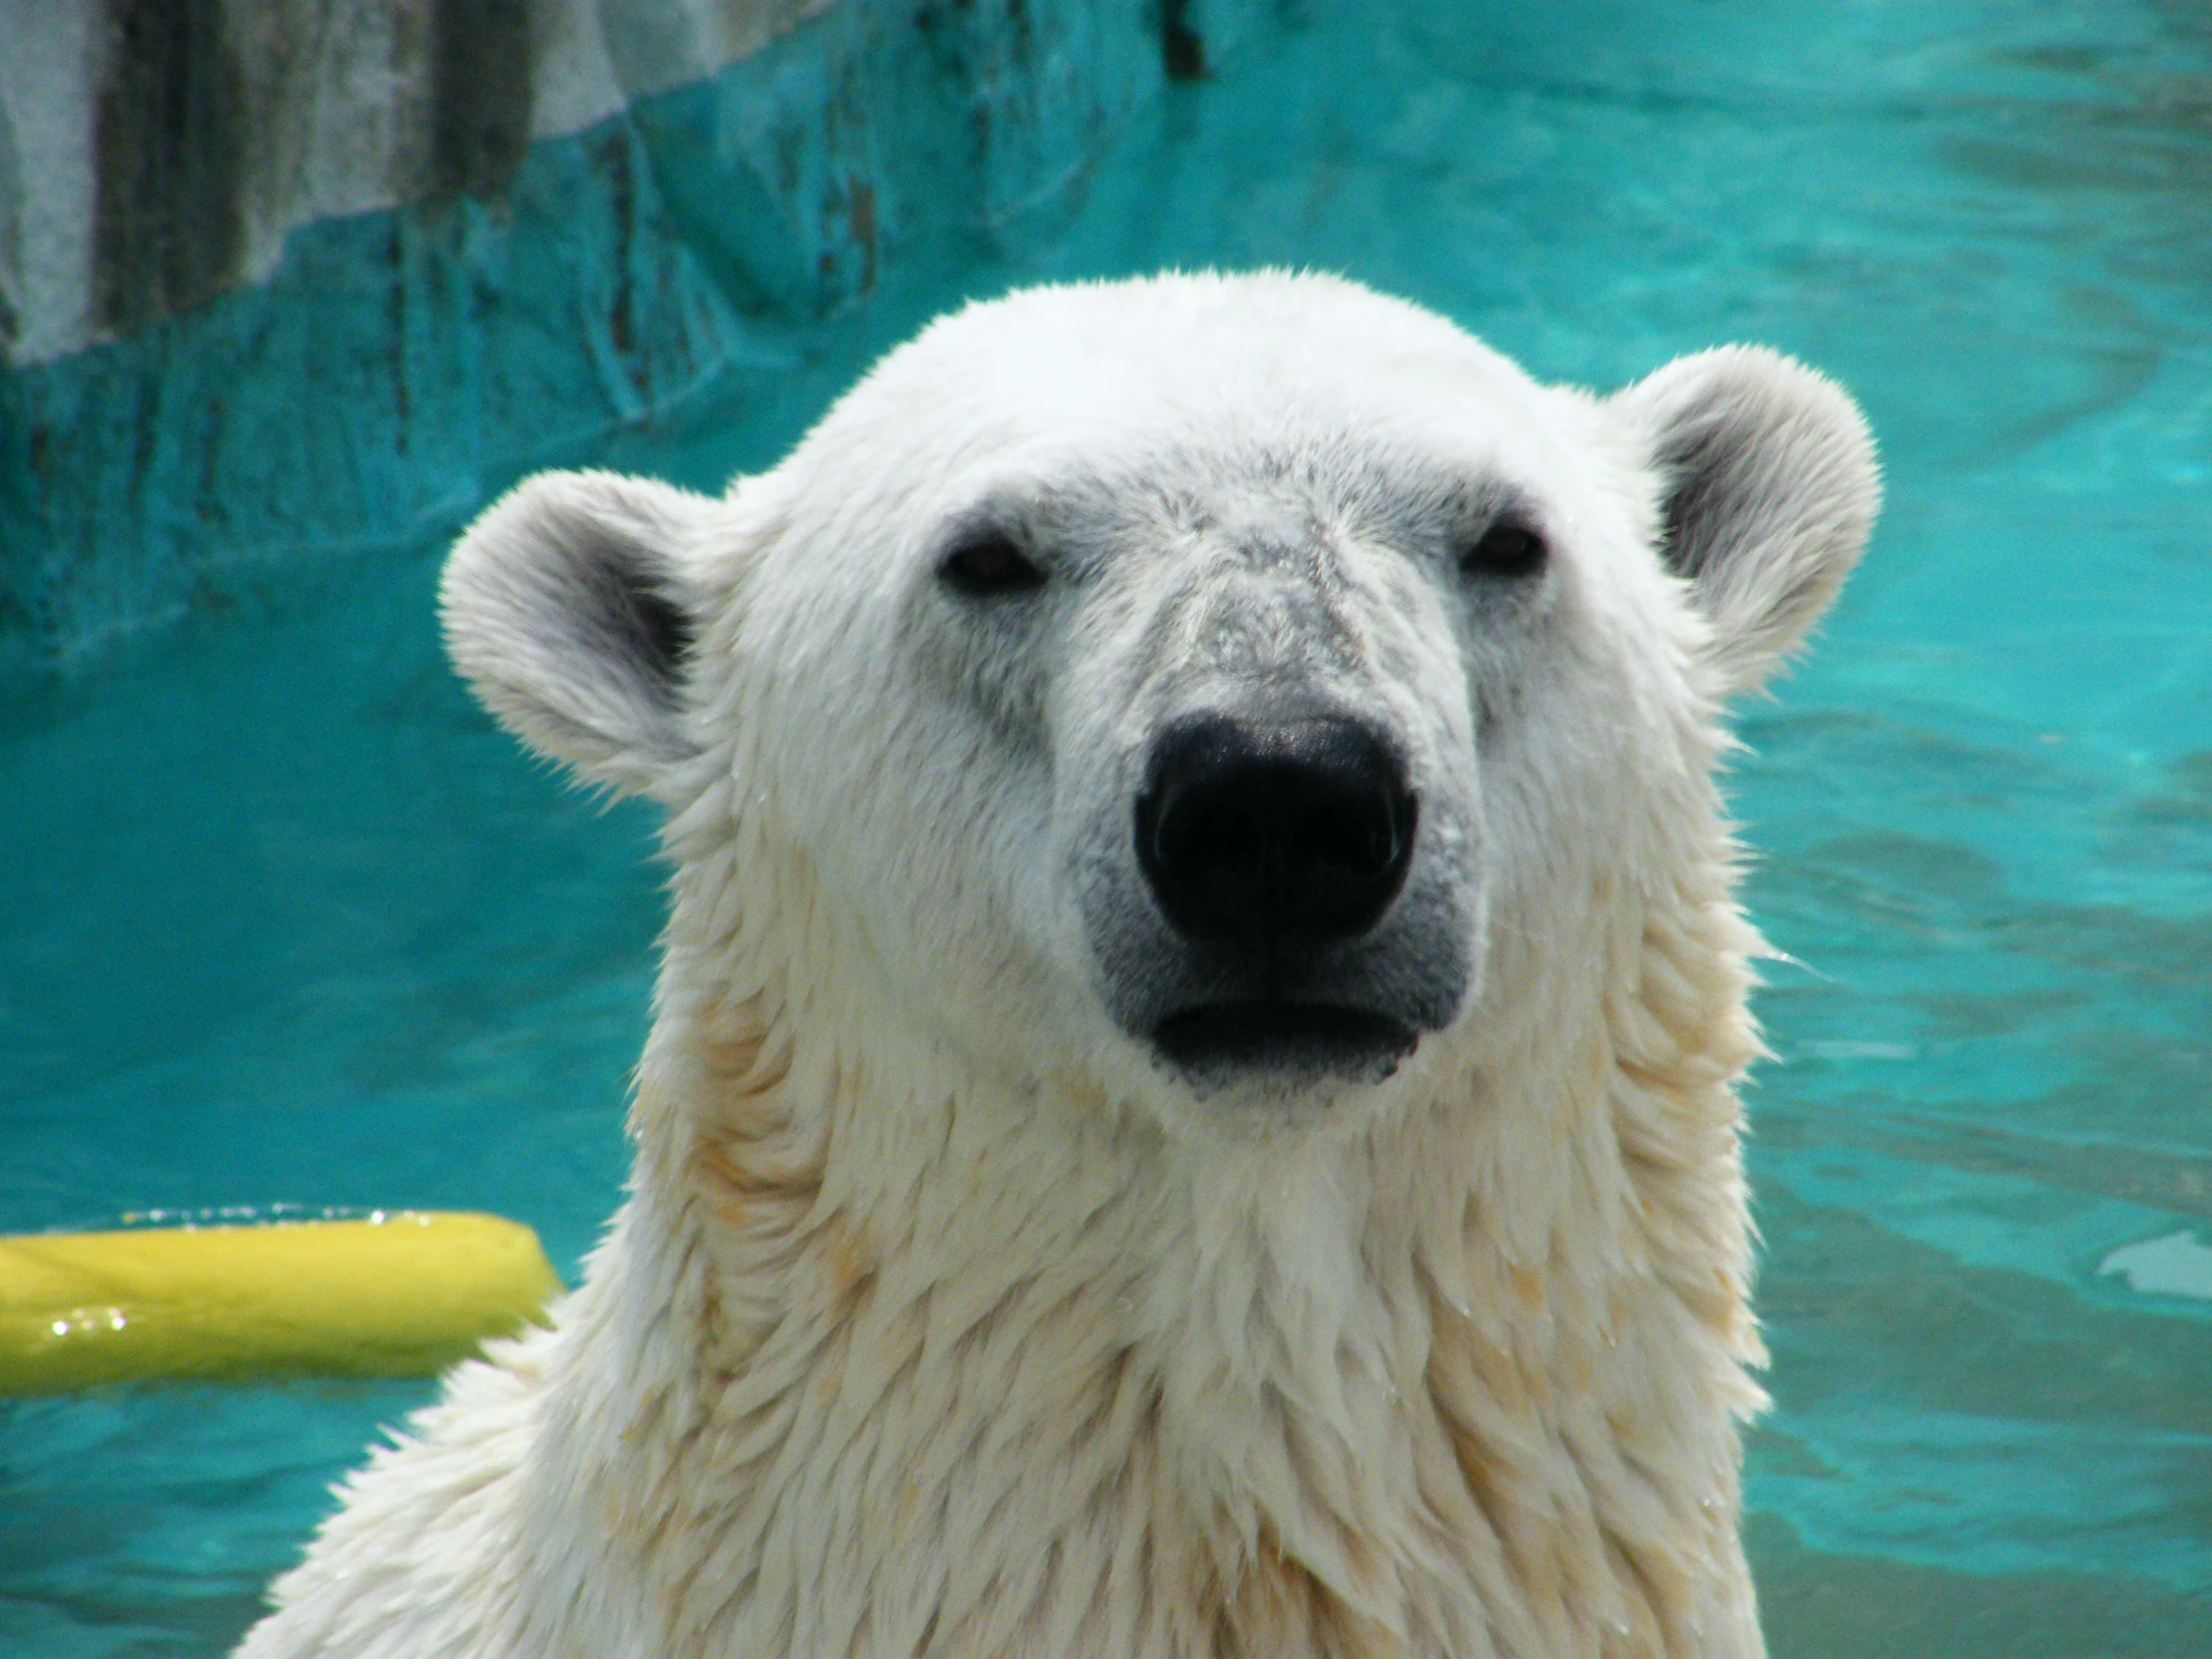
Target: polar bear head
(1210,695)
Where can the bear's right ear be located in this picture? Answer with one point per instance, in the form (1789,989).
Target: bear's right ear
(567,610)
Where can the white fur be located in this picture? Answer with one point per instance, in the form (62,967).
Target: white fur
(939,1320)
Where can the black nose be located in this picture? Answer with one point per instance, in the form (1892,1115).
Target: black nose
(1251,831)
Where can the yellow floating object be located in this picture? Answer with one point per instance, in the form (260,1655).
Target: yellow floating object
(402,1294)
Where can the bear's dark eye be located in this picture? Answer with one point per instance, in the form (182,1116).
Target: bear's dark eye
(990,566)
(1504,550)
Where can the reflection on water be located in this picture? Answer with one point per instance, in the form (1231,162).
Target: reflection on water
(2180,1264)
(288,921)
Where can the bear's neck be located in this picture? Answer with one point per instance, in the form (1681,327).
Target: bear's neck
(1045,1376)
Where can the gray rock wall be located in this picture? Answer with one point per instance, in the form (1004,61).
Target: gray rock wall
(283,279)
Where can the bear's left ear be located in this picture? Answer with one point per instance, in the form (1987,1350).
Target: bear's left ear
(568,610)
(1768,487)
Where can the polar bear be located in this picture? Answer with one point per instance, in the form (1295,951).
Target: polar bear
(1190,1105)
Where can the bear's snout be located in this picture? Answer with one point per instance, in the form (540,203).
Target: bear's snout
(1262,833)
(1274,845)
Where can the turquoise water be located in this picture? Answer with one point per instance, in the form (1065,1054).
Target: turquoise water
(282,920)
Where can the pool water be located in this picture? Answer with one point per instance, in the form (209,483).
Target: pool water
(283,919)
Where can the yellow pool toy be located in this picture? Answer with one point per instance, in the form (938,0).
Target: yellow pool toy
(402,1293)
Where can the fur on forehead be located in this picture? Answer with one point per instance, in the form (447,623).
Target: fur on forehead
(1221,361)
